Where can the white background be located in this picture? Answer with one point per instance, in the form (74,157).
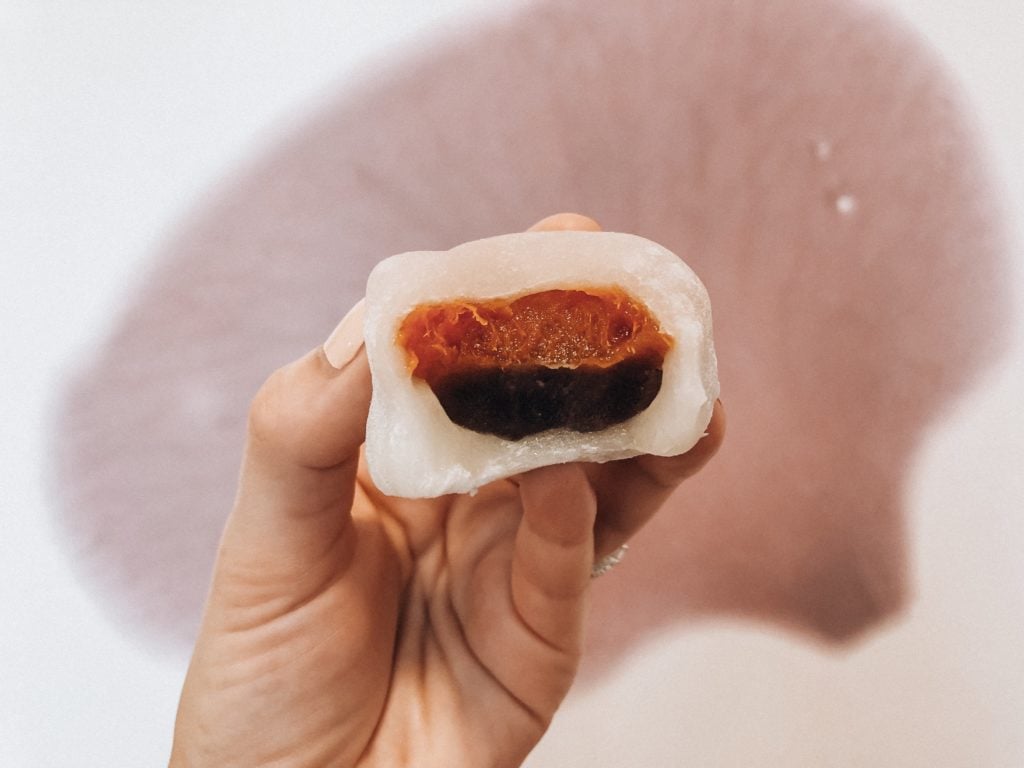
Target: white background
(116,117)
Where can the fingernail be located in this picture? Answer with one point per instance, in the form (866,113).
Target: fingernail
(566,221)
(343,344)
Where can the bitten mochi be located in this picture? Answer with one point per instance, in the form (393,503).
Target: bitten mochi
(414,450)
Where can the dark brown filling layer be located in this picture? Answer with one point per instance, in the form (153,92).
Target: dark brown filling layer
(582,360)
(514,403)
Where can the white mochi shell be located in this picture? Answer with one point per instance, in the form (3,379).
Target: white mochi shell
(412,448)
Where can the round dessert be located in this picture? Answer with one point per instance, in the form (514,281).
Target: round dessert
(510,353)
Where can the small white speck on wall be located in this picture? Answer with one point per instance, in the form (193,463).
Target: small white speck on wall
(846,204)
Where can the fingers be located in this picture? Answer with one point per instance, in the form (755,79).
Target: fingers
(566,221)
(554,552)
(629,492)
(306,425)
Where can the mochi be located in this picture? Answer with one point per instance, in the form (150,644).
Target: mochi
(649,386)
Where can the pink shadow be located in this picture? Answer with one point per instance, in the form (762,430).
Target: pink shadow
(810,159)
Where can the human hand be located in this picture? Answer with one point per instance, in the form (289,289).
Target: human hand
(348,628)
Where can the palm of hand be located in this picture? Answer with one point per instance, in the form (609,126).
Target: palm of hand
(404,638)
(400,639)
(478,665)
(448,626)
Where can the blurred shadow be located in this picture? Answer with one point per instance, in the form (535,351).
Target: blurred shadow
(810,160)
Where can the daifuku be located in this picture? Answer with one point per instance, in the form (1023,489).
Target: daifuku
(514,352)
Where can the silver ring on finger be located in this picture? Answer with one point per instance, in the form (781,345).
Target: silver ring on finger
(608,562)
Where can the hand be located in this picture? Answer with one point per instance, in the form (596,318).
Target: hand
(348,628)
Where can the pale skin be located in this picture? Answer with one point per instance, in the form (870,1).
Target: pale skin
(347,628)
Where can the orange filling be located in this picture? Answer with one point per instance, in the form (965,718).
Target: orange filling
(593,329)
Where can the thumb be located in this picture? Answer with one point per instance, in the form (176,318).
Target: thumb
(306,425)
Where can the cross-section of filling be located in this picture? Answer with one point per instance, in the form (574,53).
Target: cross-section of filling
(512,367)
